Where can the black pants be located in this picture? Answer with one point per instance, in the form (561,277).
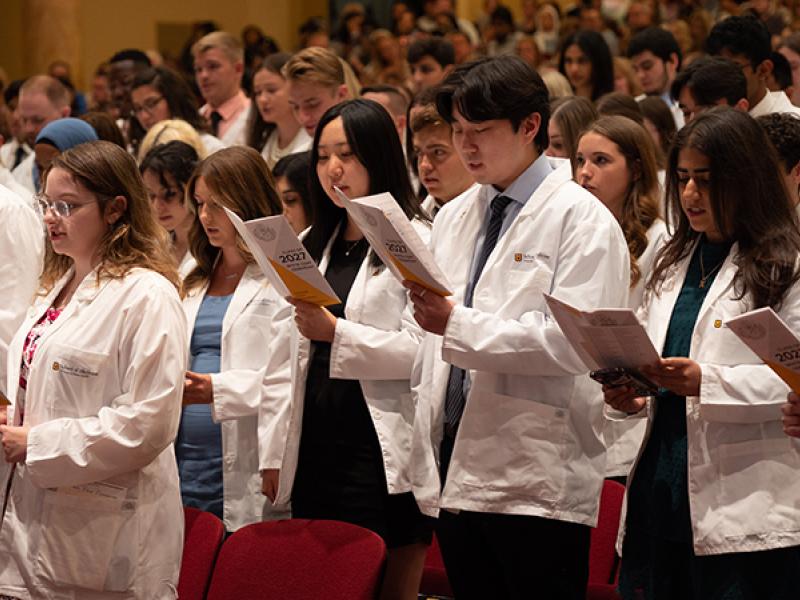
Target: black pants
(490,555)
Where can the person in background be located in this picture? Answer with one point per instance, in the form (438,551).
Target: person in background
(123,68)
(501,33)
(780,78)
(790,48)
(230,307)
(656,58)
(463,50)
(616,161)
(440,168)
(272,127)
(105,127)
(218,70)
(547,30)
(291,181)
(100,97)
(346,453)
(430,59)
(99,362)
(61,70)
(159,94)
(168,131)
(15,148)
(625,80)
(783,131)
(558,86)
(42,99)
(59,136)
(660,124)
(166,169)
(318,80)
(568,118)
(712,497)
(709,81)
(586,62)
(394,101)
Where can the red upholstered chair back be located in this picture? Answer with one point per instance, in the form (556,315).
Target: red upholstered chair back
(434,577)
(202,538)
(299,559)
(603,560)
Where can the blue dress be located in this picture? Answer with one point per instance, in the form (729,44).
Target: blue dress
(198,446)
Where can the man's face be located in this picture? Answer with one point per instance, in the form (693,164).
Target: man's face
(385,101)
(217,76)
(120,81)
(427,73)
(691,108)
(654,75)
(440,169)
(754,76)
(640,16)
(35,111)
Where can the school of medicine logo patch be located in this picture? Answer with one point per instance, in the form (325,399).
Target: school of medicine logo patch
(518,257)
(56,366)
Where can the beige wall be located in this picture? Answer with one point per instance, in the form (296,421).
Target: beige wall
(104,26)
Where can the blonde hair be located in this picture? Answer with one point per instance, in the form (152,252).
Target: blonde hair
(624,68)
(557,85)
(135,239)
(229,44)
(239,180)
(170,130)
(322,67)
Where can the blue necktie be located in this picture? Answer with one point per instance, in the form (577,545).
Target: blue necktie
(455,400)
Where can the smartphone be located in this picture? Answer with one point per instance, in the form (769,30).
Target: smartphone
(622,376)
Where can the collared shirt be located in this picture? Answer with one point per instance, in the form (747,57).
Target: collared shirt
(774,102)
(229,110)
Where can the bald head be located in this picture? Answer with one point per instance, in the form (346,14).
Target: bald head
(42,99)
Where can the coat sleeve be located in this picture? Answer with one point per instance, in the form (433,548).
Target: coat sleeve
(133,428)
(274,410)
(591,271)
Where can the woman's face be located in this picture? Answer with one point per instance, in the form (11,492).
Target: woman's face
(601,168)
(577,67)
(218,227)
(271,94)
(292,203)
(557,148)
(167,202)
(338,165)
(694,185)
(149,106)
(77,235)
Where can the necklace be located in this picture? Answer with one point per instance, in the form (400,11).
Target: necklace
(351,245)
(703,275)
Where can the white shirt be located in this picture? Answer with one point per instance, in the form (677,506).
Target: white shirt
(774,102)
(272,153)
(23,174)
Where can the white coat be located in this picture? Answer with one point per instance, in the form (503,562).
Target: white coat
(95,511)
(23,174)
(376,344)
(624,436)
(21,251)
(238,390)
(530,440)
(743,483)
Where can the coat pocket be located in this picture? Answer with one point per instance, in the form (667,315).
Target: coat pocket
(88,538)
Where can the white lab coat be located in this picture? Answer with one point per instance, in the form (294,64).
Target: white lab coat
(743,483)
(21,251)
(530,440)
(23,174)
(376,344)
(624,436)
(238,390)
(96,507)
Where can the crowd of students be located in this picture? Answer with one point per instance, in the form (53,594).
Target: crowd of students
(148,363)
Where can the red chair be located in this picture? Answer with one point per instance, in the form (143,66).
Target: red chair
(202,538)
(603,560)
(299,559)
(434,577)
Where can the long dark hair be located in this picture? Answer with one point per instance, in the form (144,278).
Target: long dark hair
(749,201)
(177,158)
(296,168)
(177,92)
(372,137)
(258,130)
(594,46)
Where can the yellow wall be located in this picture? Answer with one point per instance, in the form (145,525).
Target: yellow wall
(105,26)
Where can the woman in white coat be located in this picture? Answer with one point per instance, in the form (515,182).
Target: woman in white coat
(350,419)
(616,161)
(229,307)
(713,496)
(95,379)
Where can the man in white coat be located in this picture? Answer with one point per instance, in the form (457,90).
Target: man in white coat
(506,433)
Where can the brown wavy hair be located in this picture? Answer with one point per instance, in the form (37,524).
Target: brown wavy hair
(749,201)
(239,180)
(135,240)
(640,208)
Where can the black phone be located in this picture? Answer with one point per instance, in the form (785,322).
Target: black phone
(622,376)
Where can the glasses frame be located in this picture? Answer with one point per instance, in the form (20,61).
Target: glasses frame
(60,208)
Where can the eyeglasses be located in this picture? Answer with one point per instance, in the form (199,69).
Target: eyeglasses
(148,105)
(60,208)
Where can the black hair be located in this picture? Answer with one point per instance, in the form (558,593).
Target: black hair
(258,130)
(177,158)
(781,70)
(297,170)
(501,13)
(783,130)
(373,139)
(504,87)
(132,54)
(617,103)
(711,79)
(594,46)
(439,49)
(12,90)
(745,36)
(766,230)
(655,110)
(658,41)
(177,93)
(105,127)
